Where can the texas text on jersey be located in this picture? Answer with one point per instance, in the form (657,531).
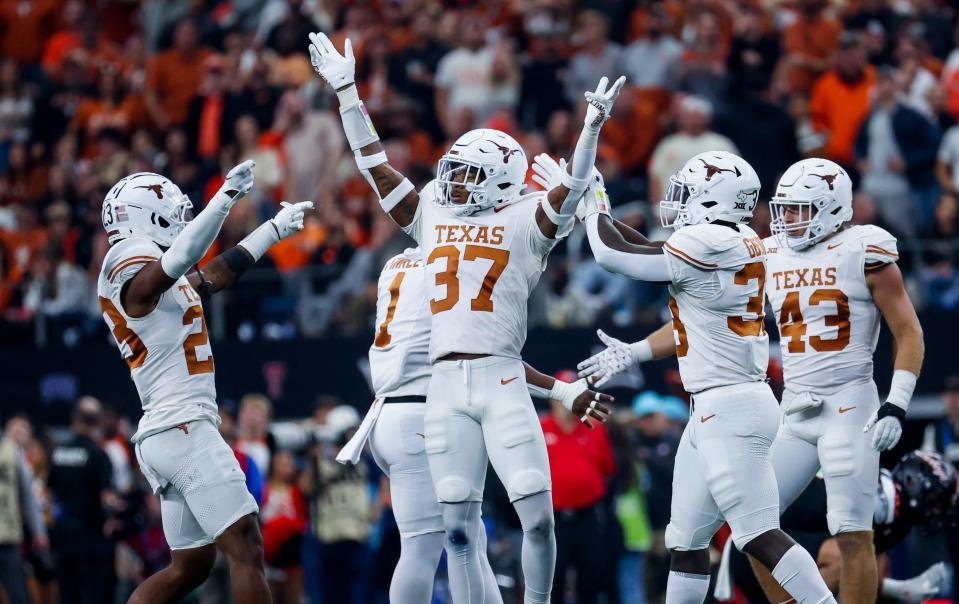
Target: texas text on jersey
(480,271)
(827,318)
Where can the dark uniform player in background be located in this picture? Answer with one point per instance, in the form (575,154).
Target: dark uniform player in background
(920,492)
(80,484)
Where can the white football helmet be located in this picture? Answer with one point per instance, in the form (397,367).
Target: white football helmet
(489,164)
(145,205)
(716,185)
(820,193)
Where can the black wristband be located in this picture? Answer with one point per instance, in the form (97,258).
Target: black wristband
(891,409)
(204,288)
(238,260)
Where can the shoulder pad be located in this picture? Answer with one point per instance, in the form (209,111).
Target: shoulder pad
(128,253)
(878,245)
(711,247)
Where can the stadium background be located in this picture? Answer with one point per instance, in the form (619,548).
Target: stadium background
(91,90)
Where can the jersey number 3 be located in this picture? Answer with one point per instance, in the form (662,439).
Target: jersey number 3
(138,350)
(483,302)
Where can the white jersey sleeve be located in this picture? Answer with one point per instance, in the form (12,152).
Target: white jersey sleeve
(125,259)
(879,247)
(168,350)
(716,302)
(399,356)
(414,228)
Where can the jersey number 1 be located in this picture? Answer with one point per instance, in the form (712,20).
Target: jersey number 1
(483,302)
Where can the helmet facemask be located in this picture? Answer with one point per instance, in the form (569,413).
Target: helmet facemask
(808,227)
(674,207)
(456,178)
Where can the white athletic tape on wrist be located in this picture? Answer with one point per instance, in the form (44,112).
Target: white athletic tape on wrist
(566,393)
(396,195)
(260,240)
(358,126)
(365,162)
(642,351)
(901,388)
(348,97)
(574,184)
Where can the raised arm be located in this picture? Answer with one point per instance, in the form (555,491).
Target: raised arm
(396,193)
(224,270)
(142,291)
(563,197)
(618,248)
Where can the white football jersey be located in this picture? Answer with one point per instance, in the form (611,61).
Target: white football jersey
(716,301)
(168,350)
(828,322)
(480,271)
(399,356)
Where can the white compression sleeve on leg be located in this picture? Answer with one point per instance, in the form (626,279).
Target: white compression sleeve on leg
(686,588)
(260,240)
(799,576)
(195,238)
(413,576)
(645,267)
(492,594)
(539,545)
(466,574)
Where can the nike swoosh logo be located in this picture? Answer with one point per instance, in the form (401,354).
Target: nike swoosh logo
(844,409)
(504,382)
(420,435)
(706,418)
(834,245)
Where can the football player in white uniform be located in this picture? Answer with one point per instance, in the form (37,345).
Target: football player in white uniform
(485,245)
(828,285)
(714,265)
(153,307)
(394,426)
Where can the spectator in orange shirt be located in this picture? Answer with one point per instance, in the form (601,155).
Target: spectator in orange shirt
(840,99)
(174,76)
(809,44)
(25,26)
(111,108)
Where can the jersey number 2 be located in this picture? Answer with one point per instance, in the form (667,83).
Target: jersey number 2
(483,302)
(138,350)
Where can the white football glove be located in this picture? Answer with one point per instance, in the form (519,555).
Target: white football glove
(919,588)
(337,69)
(239,181)
(888,423)
(599,104)
(547,173)
(602,366)
(289,219)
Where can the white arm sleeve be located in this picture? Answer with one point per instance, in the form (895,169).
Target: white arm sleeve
(644,267)
(195,238)
(581,168)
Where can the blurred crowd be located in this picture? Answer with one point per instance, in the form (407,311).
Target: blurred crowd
(91,90)
(79,524)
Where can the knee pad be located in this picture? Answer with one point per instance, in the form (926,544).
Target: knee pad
(675,539)
(452,489)
(526,483)
(848,521)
